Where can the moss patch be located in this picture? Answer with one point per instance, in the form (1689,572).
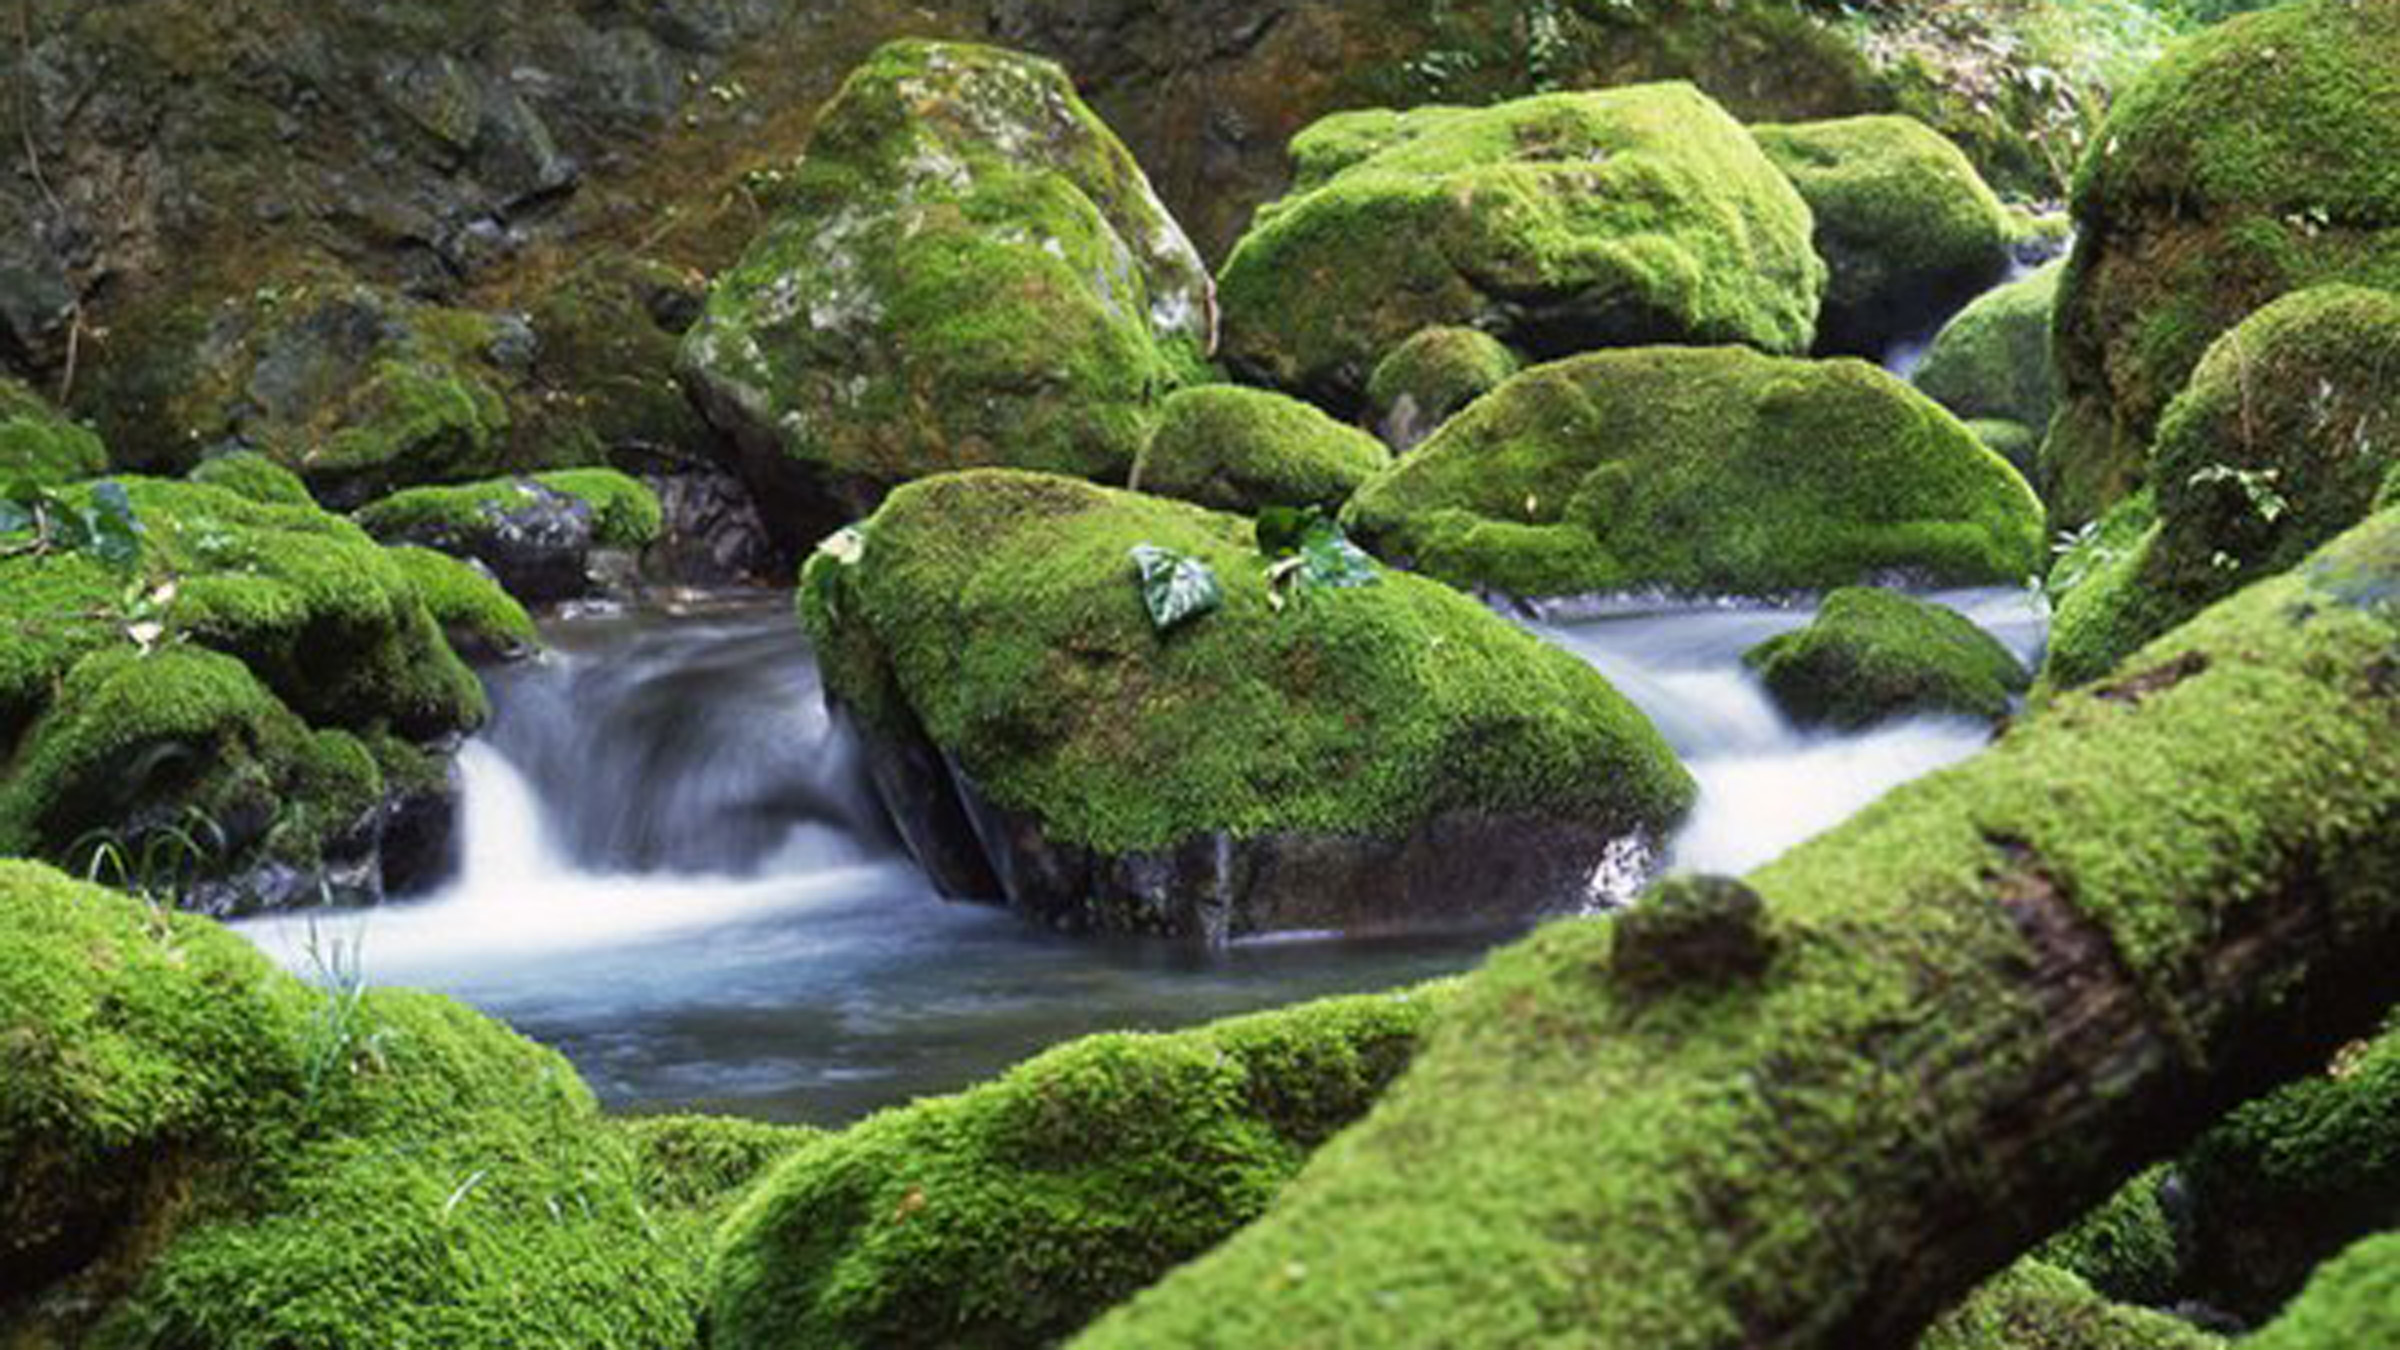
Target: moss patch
(625,513)
(1906,226)
(1871,655)
(253,475)
(1556,223)
(1430,378)
(1993,360)
(476,615)
(2354,1300)
(2037,1306)
(2128,1248)
(1711,470)
(39,444)
(1234,449)
(1012,1214)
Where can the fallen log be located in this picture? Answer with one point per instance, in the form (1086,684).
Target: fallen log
(1816,1108)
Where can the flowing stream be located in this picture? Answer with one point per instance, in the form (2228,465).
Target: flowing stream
(675,872)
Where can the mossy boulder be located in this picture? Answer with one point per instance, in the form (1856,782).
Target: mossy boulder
(2131,1248)
(2253,161)
(482,621)
(1557,224)
(2353,1300)
(39,444)
(1907,228)
(1430,378)
(1871,655)
(262,677)
(1234,449)
(253,475)
(2034,1305)
(968,269)
(539,535)
(2288,434)
(2019,444)
(1012,1214)
(1992,362)
(197,1149)
(1378,756)
(603,380)
(1716,470)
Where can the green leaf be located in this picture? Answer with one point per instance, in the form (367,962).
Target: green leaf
(1327,558)
(1176,588)
(1282,529)
(115,536)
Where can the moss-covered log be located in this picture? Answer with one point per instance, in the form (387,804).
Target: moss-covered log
(1950,1026)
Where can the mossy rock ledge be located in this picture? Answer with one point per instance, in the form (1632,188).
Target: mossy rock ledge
(1871,655)
(39,444)
(2253,161)
(1234,449)
(1712,470)
(2288,434)
(546,538)
(968,269)
(1907,228)
(1556,224)
(263,678)
(1376,757)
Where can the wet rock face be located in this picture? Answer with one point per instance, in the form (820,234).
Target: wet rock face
(969,270)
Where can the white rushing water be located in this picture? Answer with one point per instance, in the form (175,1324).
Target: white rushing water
(673,870)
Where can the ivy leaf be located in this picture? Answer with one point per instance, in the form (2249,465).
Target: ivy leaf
(1175,587)
(115,537)
(1281,529)
(1328,558)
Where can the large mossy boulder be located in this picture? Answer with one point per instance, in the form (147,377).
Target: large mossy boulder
(1234,449)
(1557,223)
(1871,655)
(1907,228)
(1012,1214)
(540,536)
(39,444)
(1302,756)
(2253,161)
(2288,434)
(967,269)
(197,1149)
(1716,470)
(1430,379)
(1992,362)
(260,679)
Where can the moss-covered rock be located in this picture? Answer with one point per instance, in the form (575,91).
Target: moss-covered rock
(2131,1248)
(2288,434)
(969,269)
(39,444)
(1315,756)
(1993,360)
(603,377)
(201,1150)
(1556,223)
(249,679)
(1430,378)
(1871,655)
(536,534)
(2253,161)
(1907,228)
(2015,442)
(1234,449)
(1708,470)
(253,475)
(2354,1300)
(2034,1305)
(1012,1214)
(481,620)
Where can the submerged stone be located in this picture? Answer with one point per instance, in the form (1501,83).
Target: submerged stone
(1364,757)
(1711,470)
(1557,224)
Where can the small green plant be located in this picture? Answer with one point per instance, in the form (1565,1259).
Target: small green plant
(1306,549)
(2076,554)
(104,526)
(2260,488)
(342,1035)
(160,864)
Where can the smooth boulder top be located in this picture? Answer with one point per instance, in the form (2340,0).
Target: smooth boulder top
(1992,362)
(967,269)
(1871,655)
(1557,223)
(1234,449)
(1703,470)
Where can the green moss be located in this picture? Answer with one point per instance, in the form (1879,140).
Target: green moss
(699,1164)
(39,444)
(1906,226)
(969,269)
(255,476)
(1001,609)
(2037,1306)
(2127,1248)
(2354,1300)
(1568,1157)
(1428,379)
(1555,223)
(604,372)
(1234,449)
(1993,360)
(625,512)
(2253,161)
(2015,442)
(475,614)
(1871,655)
(1703,470)
(1012,1214)
(2285,437)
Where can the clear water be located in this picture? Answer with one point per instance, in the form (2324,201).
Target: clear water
(674,871)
